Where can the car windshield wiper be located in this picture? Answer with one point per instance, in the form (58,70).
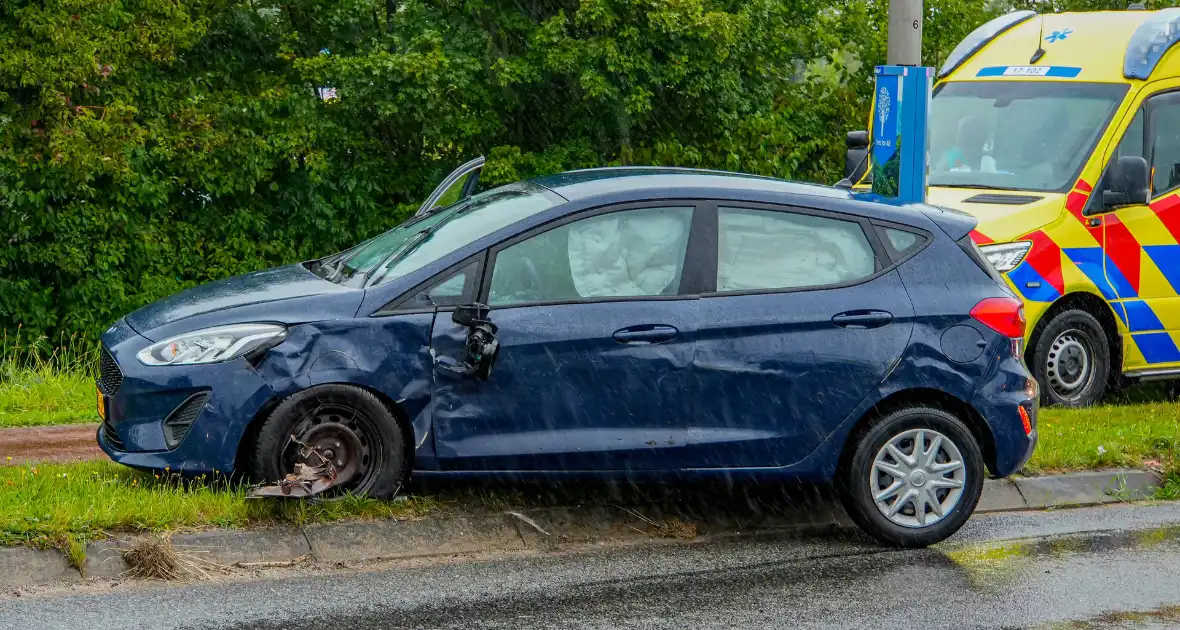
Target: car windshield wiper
(327,268)
(406,248)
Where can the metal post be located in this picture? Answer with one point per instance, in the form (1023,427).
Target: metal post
(905,33)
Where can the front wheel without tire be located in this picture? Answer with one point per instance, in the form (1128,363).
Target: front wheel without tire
(350,426)
(1071,360)
(914,477)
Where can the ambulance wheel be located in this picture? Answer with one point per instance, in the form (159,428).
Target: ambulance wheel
(1071,360)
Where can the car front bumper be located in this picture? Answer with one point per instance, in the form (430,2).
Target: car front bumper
(139,398)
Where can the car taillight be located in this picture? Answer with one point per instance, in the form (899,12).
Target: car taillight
(1002,314)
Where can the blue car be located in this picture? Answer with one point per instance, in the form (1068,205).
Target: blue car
(609,322)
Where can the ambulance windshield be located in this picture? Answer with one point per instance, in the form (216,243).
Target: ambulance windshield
(1017,135)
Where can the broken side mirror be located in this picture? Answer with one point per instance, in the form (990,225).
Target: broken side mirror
(468,314)
(1127,183)
(481,348)
(856,158)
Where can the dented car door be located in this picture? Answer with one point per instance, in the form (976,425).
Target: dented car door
(595,347)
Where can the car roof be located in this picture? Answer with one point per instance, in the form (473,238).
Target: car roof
(633,183)
(582,184)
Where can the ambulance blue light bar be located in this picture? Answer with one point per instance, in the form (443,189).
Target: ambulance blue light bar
(980,38)
(1150,42)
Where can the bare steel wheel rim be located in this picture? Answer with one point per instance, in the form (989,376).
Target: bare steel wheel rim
(917,478)
(343,435)
(1070,365)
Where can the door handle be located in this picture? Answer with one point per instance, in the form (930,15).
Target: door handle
(862,319)
(646,333)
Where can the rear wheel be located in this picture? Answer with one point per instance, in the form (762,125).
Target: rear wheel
(349,426)
(914,477)
(1071,360)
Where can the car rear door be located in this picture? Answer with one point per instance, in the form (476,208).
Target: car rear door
(801,322)
(596,344)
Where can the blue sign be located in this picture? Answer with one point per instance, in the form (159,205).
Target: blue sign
(901,106)
(886,108)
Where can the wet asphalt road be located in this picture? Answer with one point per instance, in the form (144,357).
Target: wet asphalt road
(1002,571)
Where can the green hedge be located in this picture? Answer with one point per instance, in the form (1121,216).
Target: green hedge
(150,145)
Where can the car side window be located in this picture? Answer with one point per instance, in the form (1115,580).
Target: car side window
(903,241)
(452,290)
(771,249)
(448,290)
(1165,142)
(900,243)
(627,253)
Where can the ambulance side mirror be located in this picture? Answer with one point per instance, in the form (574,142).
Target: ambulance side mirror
(855,158)
(1127,183)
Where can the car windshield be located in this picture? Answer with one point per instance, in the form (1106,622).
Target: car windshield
(1016,135)
(426,238)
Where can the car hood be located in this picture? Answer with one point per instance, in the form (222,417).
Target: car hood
(289,285)
(1004,215)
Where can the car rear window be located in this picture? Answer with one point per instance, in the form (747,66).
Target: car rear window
(900,243)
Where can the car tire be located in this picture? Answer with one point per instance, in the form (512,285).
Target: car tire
(1071,360)
(861,488)
(370,441)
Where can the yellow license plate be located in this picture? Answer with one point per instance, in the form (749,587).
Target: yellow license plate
(102,404)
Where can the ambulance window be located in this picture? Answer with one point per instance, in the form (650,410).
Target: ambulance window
(1165,148)
(1017,135)
(1132,143)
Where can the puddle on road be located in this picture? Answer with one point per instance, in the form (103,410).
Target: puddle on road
(995,566)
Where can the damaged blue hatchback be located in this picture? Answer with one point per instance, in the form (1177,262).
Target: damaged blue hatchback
(627,321)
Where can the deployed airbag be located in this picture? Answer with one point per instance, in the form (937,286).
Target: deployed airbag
(762,249)
(629,253)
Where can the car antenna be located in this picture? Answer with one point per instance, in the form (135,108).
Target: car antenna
(1040,44)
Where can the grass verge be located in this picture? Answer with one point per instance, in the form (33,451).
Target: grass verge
(64,505)
(1139,427)
(45,387)
(29,400)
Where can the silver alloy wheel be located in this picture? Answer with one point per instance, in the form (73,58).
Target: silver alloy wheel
(1069,365)
(917,478)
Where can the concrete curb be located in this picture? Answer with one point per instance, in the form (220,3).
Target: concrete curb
(1070,490)
(359,542)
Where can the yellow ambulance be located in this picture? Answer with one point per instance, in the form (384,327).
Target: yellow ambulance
(1061,134)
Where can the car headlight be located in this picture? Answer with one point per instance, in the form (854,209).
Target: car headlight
(1006,256)
(214,345)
